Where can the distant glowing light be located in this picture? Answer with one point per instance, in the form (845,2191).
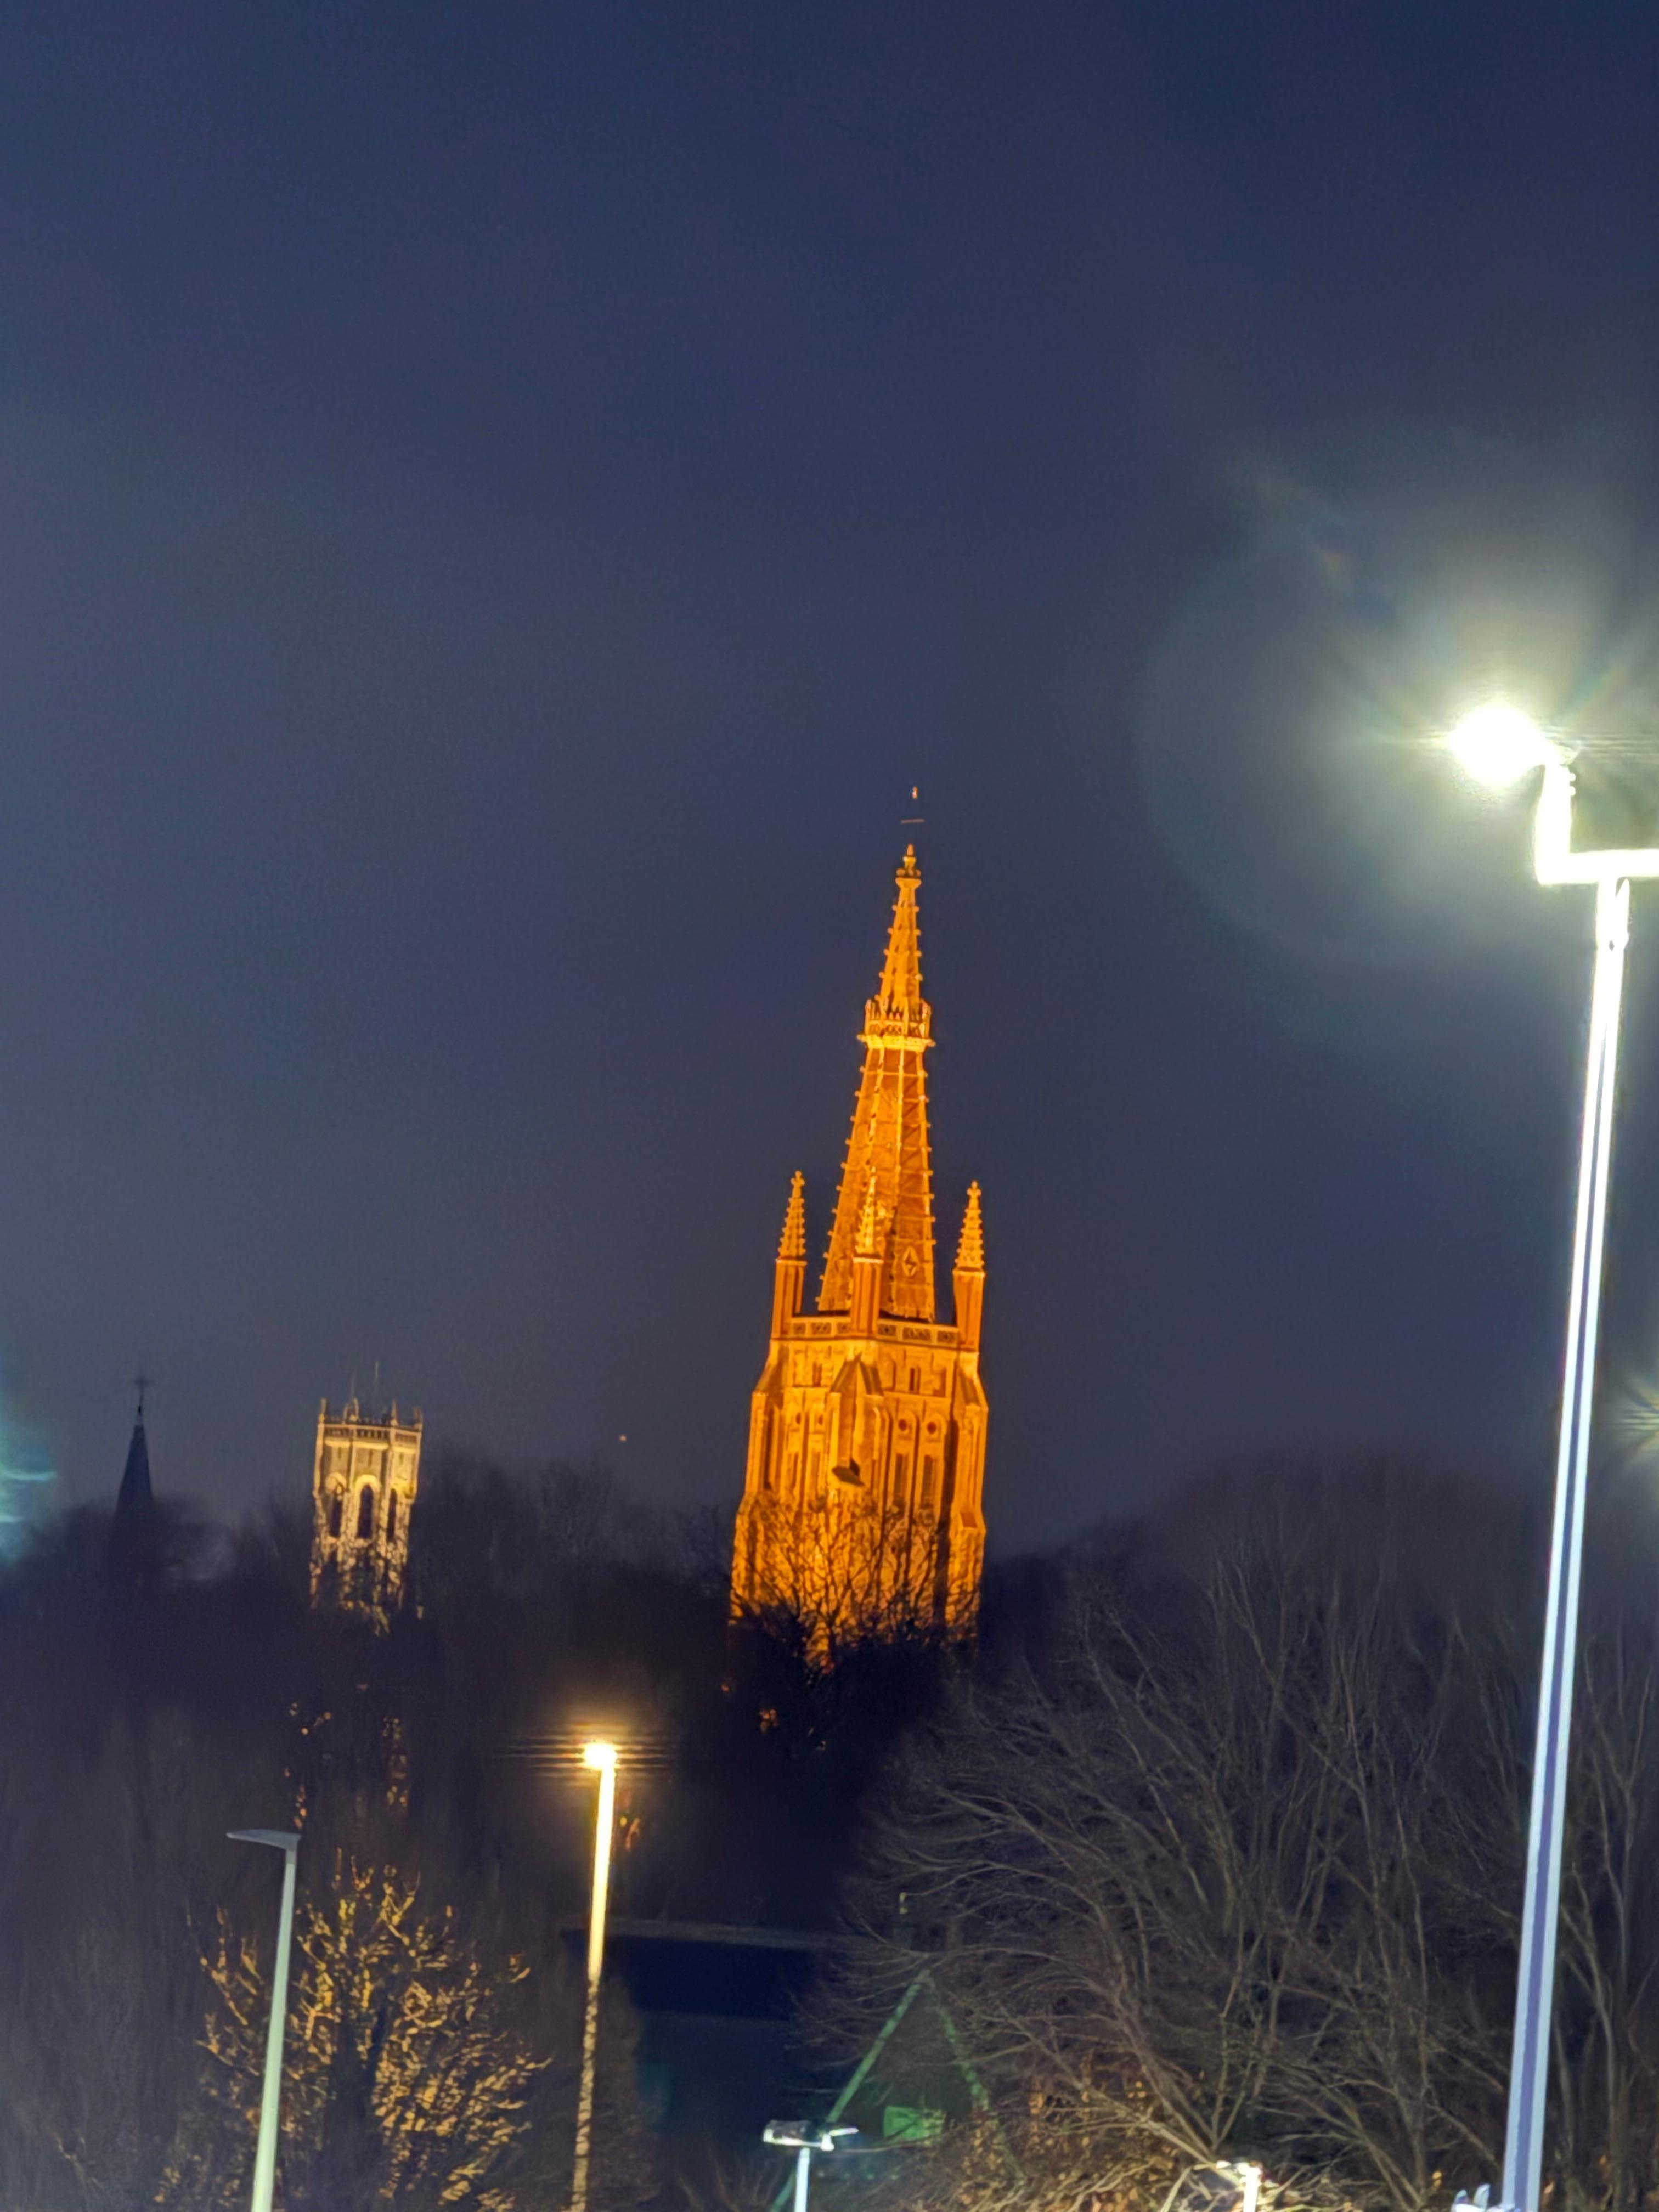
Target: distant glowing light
(1496,744)
(1636,1417)
(26,1477)
(601,1755)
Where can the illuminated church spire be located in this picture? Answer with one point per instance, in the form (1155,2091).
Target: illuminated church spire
(887,1150)
(862,1511)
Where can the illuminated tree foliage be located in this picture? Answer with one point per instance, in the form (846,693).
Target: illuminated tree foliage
(408,2071)
(845,1571)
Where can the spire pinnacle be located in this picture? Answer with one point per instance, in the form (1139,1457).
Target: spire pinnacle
(889,1137)
(898,996)
(970,1252)
(135,1495)
(792,1245)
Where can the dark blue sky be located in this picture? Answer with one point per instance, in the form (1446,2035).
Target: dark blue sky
(498,505)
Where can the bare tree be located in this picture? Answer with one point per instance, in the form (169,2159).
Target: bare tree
(841,1570)
(1605,2113)
(108,1868)
(1216,1882)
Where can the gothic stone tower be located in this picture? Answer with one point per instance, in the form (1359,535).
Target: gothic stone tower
(362,1491)
(861,1504)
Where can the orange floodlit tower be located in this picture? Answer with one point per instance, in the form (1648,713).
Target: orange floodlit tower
(861,1507)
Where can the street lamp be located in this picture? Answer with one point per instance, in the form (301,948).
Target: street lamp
(264,2158)
(602,1757)
(1498,745)
(803,2138)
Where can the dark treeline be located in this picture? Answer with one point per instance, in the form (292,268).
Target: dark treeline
(162,1687)
(1226,1860)
(1212,1848)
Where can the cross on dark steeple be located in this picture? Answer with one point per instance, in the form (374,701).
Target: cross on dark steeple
(135,1496)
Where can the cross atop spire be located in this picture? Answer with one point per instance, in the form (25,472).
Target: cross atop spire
(887,1149)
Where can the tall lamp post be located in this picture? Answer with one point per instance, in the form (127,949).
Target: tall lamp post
(264,2158)
(603,1758)
(1498,745)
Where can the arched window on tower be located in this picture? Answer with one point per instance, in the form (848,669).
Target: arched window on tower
(334,1515)
(365,1514)
(929,1472)
(392,1517)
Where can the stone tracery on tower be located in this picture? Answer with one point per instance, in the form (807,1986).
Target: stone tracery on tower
(363,1482)
(862,1510)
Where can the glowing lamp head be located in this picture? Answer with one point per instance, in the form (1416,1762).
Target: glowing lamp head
(601,1755)
(1496,744)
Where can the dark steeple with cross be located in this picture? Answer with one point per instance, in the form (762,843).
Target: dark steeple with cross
(134,1497)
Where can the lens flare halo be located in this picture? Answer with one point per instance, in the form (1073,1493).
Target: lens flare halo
(1497,743)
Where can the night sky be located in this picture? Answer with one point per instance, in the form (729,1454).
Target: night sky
(498,505)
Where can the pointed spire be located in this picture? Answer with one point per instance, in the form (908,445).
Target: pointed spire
(889,1139)
(970,1252)
(789,1268)
(792,1245)
(135,1495)
(968,1276)
(900,991)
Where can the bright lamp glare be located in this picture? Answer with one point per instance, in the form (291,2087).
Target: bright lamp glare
(598,1754)
(1497,744)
